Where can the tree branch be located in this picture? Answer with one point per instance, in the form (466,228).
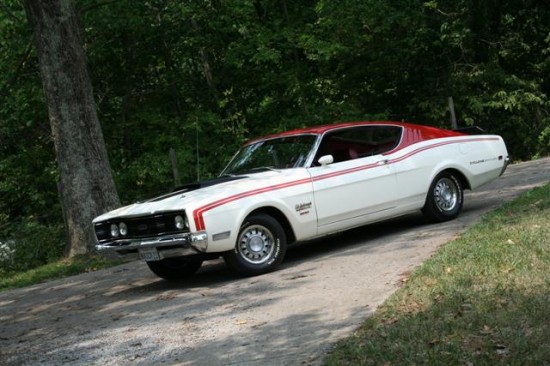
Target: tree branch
(89,7)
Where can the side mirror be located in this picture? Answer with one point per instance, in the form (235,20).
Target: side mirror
(325,160)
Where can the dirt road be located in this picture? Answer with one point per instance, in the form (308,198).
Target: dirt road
(324,290)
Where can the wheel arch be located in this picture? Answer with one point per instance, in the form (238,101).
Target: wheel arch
(458,170)
(280,217)
(461,176)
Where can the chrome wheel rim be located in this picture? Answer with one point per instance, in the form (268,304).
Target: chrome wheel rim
(256,244)
(446,194)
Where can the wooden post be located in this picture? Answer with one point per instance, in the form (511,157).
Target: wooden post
(175,170)
(454,125)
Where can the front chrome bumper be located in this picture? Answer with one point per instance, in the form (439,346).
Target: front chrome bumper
(172,245)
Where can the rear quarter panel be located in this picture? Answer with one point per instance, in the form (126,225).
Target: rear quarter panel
(484,158)
(479,158)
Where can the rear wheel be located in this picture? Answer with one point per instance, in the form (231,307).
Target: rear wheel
(260,248)
(177,268)
(445,198)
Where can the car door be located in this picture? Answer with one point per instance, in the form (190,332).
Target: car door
(358,187)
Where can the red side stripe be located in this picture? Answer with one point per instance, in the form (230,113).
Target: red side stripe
(198,214)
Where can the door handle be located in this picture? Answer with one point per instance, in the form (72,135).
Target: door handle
(383,162)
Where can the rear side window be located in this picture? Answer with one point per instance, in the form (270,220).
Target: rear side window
(359,142)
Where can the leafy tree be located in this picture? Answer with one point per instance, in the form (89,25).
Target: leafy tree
(29,205)
(86,186)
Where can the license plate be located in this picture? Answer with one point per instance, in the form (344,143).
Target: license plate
(149,254)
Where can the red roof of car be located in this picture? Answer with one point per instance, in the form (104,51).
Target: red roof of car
(427,132)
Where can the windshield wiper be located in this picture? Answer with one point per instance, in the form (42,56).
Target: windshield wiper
(258,169)
(263,168)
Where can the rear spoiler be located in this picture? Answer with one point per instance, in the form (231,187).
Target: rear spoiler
(473,130)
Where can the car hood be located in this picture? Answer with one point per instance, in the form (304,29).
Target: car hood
(201,193)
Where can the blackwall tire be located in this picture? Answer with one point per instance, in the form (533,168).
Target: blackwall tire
(175,269)
(445,198)
(260,247)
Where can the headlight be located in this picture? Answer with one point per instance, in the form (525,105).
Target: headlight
(180,222)
(123,229)
(115,232)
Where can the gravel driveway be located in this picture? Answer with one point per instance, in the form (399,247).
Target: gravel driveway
(324,290)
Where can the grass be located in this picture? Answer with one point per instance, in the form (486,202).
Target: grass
(483,299)
(59,269)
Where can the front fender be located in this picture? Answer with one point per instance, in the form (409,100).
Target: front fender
(297,205)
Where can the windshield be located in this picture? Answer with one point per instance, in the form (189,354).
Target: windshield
(278,153)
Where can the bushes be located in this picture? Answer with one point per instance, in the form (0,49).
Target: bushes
(30,244)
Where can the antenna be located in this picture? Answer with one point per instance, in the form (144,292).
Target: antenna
(197,147)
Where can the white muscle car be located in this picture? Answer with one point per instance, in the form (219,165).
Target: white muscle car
(300,185)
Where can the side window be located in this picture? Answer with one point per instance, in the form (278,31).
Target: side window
(385,138)
(359,142)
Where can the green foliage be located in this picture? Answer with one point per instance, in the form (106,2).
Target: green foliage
(29,244)
(171,74)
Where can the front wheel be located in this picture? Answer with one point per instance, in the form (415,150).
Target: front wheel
(174,269)
(260,248)
(445,198)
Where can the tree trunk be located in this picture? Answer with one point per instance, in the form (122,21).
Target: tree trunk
(86,184)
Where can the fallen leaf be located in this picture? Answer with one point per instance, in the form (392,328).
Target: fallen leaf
(486,330)
(501,349)
(405,276)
